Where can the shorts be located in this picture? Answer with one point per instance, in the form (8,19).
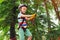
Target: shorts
(22,34)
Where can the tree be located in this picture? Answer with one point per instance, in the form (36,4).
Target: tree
(42,23)
(10,19)
(56,8)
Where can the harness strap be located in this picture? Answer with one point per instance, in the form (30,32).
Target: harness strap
(21,23)
(24,29)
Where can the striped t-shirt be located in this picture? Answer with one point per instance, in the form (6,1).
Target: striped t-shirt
(20,20)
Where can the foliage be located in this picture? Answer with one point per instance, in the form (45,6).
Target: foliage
(40,27)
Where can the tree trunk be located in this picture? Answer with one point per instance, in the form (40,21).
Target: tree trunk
(56,8)
(12,25)
(57,12)
(59,38)
(13,21)
(12,32)
(48,17)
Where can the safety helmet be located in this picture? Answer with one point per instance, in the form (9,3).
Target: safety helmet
(22,5)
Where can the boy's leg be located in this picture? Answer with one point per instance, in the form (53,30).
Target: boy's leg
(21,34)
(28,33)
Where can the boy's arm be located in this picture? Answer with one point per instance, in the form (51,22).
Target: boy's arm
(26,16)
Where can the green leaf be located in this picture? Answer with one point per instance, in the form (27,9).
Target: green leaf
(1,1)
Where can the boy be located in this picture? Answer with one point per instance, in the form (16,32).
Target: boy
(22,23)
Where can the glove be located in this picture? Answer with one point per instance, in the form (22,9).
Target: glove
(33,16)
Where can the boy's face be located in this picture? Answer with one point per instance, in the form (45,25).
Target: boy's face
(23,9)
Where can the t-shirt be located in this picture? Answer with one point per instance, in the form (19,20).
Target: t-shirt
(20,20)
